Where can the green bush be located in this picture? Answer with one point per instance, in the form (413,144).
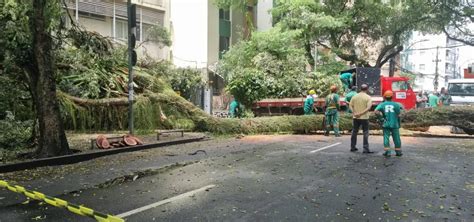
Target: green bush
(14,134)
(185,81)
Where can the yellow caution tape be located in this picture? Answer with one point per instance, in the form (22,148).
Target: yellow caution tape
(80,210)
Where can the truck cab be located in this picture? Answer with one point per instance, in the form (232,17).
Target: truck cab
(378,85)
(402,91)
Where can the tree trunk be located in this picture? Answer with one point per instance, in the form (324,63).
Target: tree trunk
(458,116)
(52,138)
(462,117)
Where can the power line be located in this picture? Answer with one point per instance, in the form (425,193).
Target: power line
(445,47)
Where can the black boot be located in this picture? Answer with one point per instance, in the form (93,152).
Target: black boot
(398,153)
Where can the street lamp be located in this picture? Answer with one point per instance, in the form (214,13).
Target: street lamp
(422,40)
(405,56)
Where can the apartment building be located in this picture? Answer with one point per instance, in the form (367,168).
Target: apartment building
(431,57)
(109,18)
(202,33)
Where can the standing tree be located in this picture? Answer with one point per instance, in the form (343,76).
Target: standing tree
(269,64)
(370,33)
(455,19)
(28,29)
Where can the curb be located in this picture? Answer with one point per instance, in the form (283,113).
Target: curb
(412,135)
(442,136)
(75,158)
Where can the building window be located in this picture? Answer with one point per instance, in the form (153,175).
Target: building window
(90,15)
(399,86)
(138,33)
(224,43)
(146,28)
(421,66)
(121,29)
(448,67)
(224,14)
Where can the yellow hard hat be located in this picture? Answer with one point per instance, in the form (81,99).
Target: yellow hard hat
(312,92)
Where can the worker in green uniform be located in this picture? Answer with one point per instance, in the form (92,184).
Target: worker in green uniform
(390,111)
(332,114)
(309,102)
(349,96)
(346,79)
(433,99)
(234,109)
(445,98)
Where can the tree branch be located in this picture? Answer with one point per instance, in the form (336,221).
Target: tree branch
(382,53)
(323,45)
(393,54)
(121,101)
(457,39)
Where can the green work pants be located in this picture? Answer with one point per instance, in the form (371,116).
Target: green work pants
(345,84)
(332,119)
(395,132)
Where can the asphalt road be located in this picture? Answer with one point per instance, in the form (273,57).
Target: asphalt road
(287,178)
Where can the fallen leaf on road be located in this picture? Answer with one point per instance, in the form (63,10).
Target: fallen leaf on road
(39,217)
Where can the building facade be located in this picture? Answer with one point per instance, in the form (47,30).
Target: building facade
(433,58)
(202,33)
(109,18)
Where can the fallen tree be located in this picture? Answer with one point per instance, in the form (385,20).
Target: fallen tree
(458,116)
(462,117)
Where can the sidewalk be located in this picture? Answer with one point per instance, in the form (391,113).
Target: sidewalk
(56,180)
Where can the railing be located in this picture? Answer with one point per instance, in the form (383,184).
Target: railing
(104,8)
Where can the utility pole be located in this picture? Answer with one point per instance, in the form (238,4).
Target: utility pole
(391,69)
(132,58)
(436,78)
(315,56)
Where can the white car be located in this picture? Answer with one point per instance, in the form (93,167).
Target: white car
(461,91)
(462,94)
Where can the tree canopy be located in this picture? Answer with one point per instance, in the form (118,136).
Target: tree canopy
(369,33)
(268,64)
(363,33)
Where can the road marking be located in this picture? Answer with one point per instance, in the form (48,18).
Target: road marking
(169,200)
(326,147)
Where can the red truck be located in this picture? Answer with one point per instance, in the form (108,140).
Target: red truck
(403,93)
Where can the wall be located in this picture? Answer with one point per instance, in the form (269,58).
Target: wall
(264,16)
(212,33)
(189,28)
(237,19)
(99,26)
